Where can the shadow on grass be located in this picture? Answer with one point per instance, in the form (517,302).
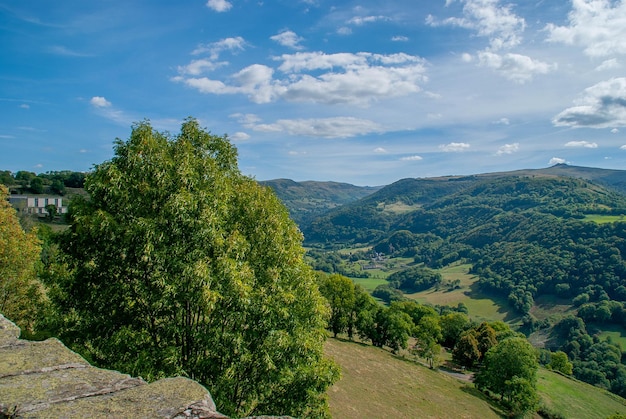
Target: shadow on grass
(504,307)
(493,405)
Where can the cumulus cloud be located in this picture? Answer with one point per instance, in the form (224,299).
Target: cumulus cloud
(219,5)
(602,105)
(454,147)
(359,79)
(581,144)
(623,147)
(411,158)
(508,149)
(515,67)
(197,67)
(379,150)
(240,136)
(288,38)
(556,160)
(100,102)
(489,19)
(614,131)
(595,25)
(336,127)
(214,49)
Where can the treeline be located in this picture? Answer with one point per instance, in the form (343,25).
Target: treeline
(505,362)
(55,181)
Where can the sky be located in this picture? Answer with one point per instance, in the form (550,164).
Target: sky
(363,92)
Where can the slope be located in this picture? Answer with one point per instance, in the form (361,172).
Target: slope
(376,384)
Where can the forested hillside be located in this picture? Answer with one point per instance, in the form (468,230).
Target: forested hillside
(306,200)
(524,236)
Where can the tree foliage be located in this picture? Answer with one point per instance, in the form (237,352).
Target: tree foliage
(510,371)
(181,265)
(22,296)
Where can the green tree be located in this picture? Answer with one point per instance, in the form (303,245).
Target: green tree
(22,297)
(51,209)
(339,291)
(57,187)
(560,362)
(466,352)
(36,185)
(452,326)
(510,371)
(181,265)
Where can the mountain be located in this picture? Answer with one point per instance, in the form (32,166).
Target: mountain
(559,190)
(306,200)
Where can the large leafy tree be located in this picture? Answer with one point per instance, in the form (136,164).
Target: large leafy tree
(181,265)
(510,371)
(340,293)
(22,297)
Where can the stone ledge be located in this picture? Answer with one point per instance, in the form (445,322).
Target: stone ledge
(46,379)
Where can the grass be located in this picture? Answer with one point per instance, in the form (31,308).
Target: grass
(376,384)
(552,308)
(603,219)
(575,399)
(482,307)
(615,332)
(369,283)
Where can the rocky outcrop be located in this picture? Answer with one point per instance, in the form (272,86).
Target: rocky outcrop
(46,379)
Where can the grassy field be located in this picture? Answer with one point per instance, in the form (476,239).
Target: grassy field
(603,219)
(616,333)
(551,307)
(481,306)
(575,399)
(377,384)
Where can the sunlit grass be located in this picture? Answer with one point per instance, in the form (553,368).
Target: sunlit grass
(603,219)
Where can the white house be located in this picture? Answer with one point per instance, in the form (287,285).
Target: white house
(37,205)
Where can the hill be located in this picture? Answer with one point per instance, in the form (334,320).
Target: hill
(375,383)
(525,237)
(308,199)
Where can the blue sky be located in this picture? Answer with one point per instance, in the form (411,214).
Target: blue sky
(364,92)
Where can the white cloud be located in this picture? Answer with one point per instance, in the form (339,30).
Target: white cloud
(215,48)
(219,5)
(25,106)
(344,30)
(359,79)
(602,105)
(6,137)
(336,127)
(508,149)
(454,147)
(411,158)
(489,19)
(614,131)
(608,65)
(83,151)
(362,20)
(502,121)
(623,147)
(379,150)
(240,136)
(556,160)
(400,38)
(466,57)
(100,102)
(288,38)
(598,26)
(581,144)
(197,67)
(515,67)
